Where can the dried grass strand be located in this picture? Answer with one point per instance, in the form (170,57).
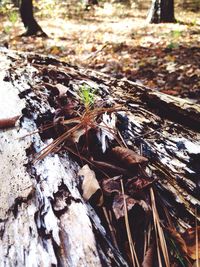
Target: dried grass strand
(160,238)
(130,240)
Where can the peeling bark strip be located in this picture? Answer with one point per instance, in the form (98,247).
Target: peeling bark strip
(44,220)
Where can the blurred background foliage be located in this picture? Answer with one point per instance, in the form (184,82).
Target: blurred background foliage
(114,37)
(73,8)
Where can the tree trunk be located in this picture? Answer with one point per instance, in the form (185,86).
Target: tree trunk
(44,217)
(154,12)
(167,11)
(31,25)
(161,11)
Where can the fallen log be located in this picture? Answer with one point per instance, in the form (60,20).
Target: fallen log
(142,145)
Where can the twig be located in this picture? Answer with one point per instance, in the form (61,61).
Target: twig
(160,238)
(197,239)
(96,52)
(112,231)
(130,241)
(86,160)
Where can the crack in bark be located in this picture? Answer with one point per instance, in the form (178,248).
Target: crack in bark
(18,202)
(62,200)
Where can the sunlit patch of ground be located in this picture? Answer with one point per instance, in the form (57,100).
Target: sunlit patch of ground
(117,40)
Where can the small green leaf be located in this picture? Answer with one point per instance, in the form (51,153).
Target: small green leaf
(87,95)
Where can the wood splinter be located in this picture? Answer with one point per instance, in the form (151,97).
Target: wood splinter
(8,122)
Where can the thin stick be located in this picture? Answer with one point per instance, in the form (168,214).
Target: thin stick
(124,143)
(110,227)
(131,245)
(149,234)
(159,232)
(145,243)
(86,160)
(79,155)
(93,55)
(197,239)
(39,130)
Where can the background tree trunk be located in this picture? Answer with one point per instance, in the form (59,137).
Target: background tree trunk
(161,11)
(167,11)
(31,25)
(154,12)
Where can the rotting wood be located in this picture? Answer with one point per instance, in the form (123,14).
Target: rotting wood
(44,219)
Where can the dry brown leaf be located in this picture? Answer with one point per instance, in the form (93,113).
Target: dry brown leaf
(129,157)
(90,185)
(8,123)
(55,50)
(110,168)
(76,135)
(112,186)
(178,240)
(148,258)
(118,205)
(197,263)
(61,88)
(135,185)
(189,237)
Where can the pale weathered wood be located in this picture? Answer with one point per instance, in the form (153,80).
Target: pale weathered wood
(44,221)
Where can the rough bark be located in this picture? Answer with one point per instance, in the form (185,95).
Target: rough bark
(154,12)
(44,219)
(167,11)
(30,24)
(161,11)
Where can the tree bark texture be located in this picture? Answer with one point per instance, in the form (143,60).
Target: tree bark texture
(161,11)
(167,11)
(30,24)
(44,220)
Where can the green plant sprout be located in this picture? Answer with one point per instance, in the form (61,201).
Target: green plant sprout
(87,95)
(174,43)
(7,29)
(13,16)
(175,34)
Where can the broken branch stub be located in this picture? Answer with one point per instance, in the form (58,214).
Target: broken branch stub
(8,122)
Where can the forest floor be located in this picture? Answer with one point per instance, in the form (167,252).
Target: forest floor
(117,40)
